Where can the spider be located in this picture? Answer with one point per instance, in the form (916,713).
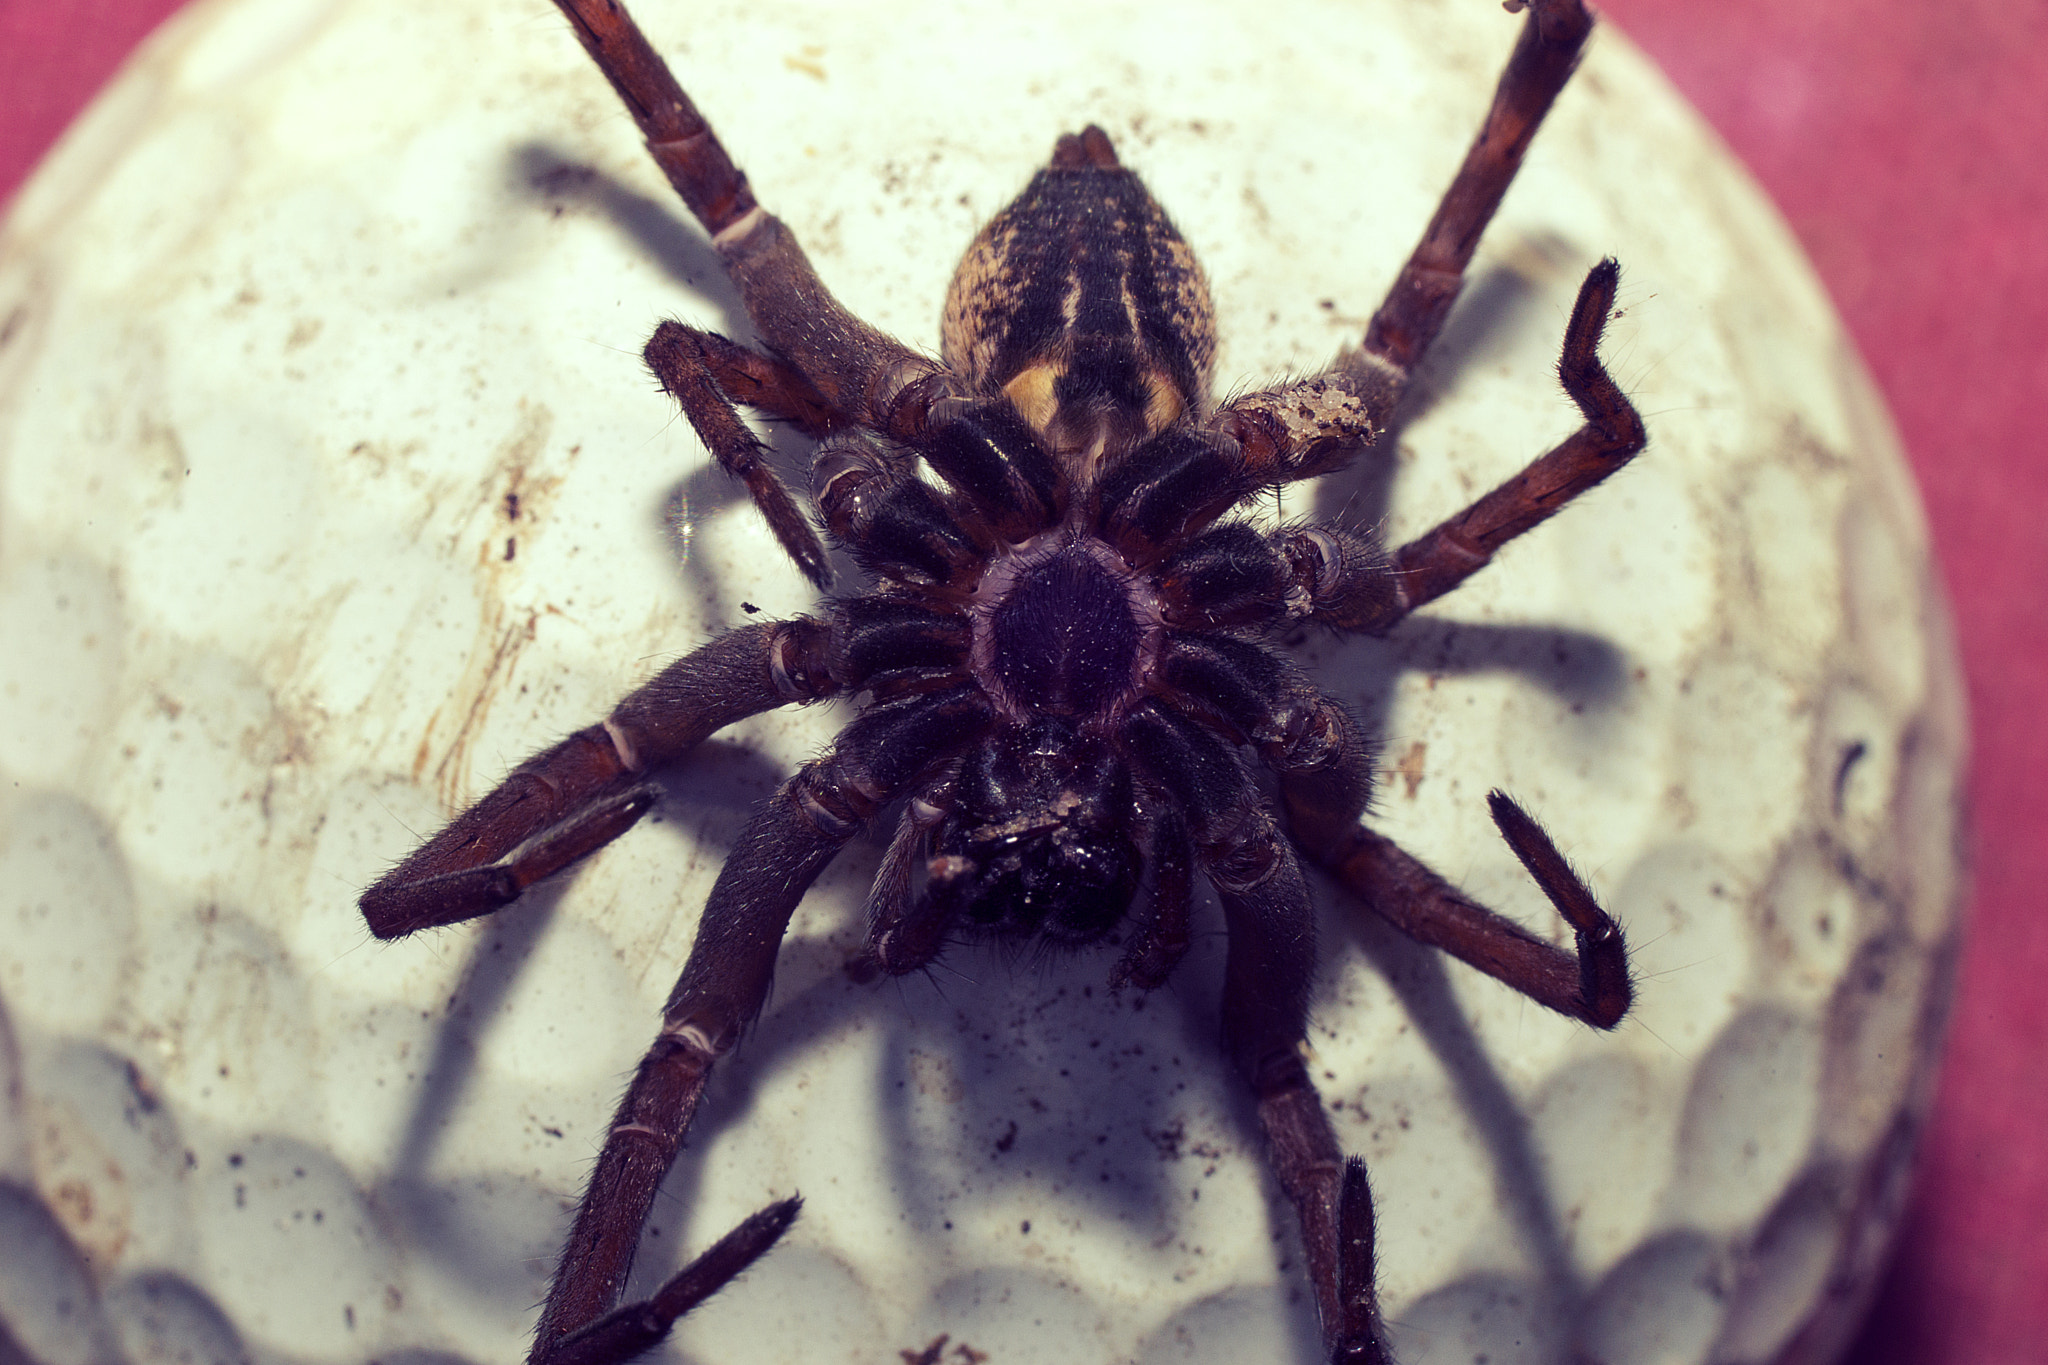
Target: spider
(1068,656)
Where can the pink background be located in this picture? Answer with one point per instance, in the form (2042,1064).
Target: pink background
(1907,142)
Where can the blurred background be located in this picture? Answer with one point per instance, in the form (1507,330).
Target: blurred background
(1904,142)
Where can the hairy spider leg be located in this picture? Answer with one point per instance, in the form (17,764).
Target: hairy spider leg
(1343,579)
(628,1330)
(1358,1336)
(1270,961)
(1333,1205)
(1325,797)
(753,380)
(1299,430)
(1591,985)
(725,980)
(684,365)
(1349,585)
(896,931)
(779,854)
(678,138)
(857,369)
(571,800)
(1440,559)
(1268,974)
(1163,937)
(1323,760)
(1421,297)
(989,454)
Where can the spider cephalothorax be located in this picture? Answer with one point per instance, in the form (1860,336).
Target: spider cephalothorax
(1070,687)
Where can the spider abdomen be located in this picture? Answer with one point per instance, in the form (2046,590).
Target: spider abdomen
(1084,306)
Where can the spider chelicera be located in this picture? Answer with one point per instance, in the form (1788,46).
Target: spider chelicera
(1067,656)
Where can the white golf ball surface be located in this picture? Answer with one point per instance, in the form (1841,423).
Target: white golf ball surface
(331,486)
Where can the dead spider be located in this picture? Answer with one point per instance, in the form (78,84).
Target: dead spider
(1066,652)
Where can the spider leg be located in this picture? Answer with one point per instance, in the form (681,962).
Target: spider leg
(990,455)
(723,985)
(1169,489)
(1421,297)
(1306,428)
(628,1330)
(581,794)
(1167,932)
(679,139)
(857,370)
(764,382)
(684,363)
(1311,426)
(1268,980)
(1326,792)
(1268,974)
(899,939)
(1341,578)
(1591,984)
(725,981)
(1439,560)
